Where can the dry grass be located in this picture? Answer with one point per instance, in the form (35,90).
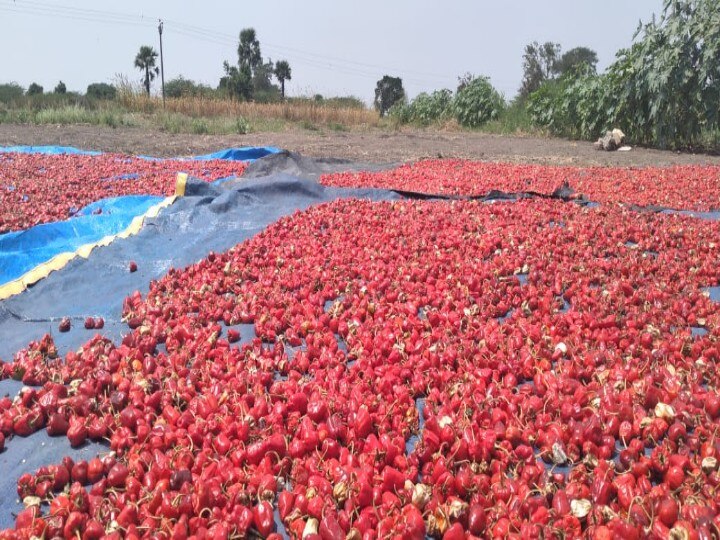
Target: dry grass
(300,112)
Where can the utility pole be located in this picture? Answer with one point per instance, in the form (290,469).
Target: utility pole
(162,66)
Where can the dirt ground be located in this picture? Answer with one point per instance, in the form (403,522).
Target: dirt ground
(369,146)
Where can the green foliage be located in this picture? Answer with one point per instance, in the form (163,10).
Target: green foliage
(283,73)
(667,85)
(242,126)
(182,87)
(249,55)
(10,92)
(60,88)
(578,105)
(340,102)
(428,108)
(574,58)
(101,91)
(337,102)
(663,91)
(477,103)
(34,89)
(400,113)
(237,83)
(388,92)
(145,61)
(538,65)
(264,91)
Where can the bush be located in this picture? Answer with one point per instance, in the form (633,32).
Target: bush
(10,92)
(182,87)
(663,91)
(34,89)
(338,102)
(400,113)
(428,108)
(477,103)
(101,91)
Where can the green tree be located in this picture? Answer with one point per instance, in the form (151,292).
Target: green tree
(477,103)
(666,86)
(263,88)
(538,65)
(60,88)
(145,61)
(249,55)
(101,91)
(574,58)
(388,92)
(237,83)
(283,73)
(34,89)
(664,90)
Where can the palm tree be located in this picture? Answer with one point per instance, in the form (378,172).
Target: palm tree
(249,50)
(283,73)
(145,61)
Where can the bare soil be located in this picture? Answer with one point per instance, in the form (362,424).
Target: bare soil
(375,146)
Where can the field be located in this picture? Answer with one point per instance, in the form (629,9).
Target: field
(362,144)
(542,367)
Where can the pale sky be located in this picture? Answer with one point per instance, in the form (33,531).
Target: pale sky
(334,47)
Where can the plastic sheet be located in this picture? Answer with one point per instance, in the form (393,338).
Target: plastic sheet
(21,251)
(247,153)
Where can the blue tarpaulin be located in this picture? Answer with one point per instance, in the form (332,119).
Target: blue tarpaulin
(245,153)
(249,153)
(21,251)
(47,150)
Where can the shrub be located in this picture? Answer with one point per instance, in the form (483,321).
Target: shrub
(477,103)
(10,92)
(34,89)
(101,91)
(182,87)
(428,108)
(663,91)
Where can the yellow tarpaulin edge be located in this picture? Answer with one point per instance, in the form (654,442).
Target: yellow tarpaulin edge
(43,270)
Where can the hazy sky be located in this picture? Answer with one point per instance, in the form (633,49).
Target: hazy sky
(334,47)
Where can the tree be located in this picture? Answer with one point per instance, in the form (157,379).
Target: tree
(101,91)
(666,86)
(574,58)
(145,61)
(263,88)
(249,50)
(237,83)
(538,65)
(34,89)
(283,73)
(60,88)
(388,92)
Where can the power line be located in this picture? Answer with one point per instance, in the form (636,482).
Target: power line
(325,62)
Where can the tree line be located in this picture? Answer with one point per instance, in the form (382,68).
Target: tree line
(475,101)
(251,78)
(662,91)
